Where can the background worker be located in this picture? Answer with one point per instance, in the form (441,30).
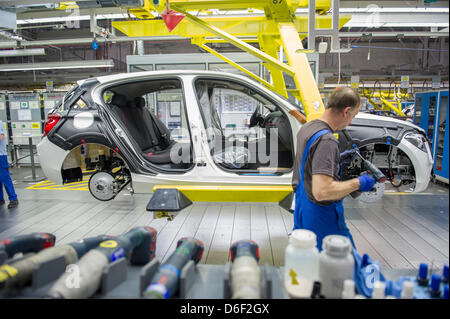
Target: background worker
(5,178)
(318,189)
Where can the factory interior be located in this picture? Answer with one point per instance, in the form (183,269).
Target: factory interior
(134,137)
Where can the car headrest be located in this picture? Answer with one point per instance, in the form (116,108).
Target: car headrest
(139,102)
(119,100)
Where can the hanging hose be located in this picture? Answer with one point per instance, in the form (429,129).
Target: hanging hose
(391,177)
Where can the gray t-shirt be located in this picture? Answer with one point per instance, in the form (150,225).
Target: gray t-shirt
(323,157)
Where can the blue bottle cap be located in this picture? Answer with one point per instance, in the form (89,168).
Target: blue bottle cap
(445,272)
(423,271)
(435,282)
(445,296)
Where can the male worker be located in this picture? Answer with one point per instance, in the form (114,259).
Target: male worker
(318,189)
(5,179)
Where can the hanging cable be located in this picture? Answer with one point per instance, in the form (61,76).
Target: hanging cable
(339,63)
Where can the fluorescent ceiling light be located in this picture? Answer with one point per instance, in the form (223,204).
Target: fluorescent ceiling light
(57,65)
(75,18)
(22,52)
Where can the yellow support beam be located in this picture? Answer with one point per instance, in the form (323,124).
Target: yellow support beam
(200,43)
(268,194)
(194,5)
(238,43)
(303,77)
(269,45)
(238,27)
(392,107)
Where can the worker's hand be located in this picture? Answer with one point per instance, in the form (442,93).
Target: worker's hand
(366,183)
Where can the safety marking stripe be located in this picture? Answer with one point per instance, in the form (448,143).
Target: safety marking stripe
(48,185)
(408,193)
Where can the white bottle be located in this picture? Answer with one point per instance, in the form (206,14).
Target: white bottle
(336,264)
(349,289)
(407,290)
(301,263)
(379,289)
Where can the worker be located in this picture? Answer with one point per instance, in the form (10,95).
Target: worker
(5,178)
(316,179)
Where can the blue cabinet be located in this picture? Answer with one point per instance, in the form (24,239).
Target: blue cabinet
(431,114)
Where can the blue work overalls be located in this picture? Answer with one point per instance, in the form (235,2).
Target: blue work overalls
(322,220)
(5,179)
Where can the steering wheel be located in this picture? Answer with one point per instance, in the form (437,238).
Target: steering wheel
(256,118)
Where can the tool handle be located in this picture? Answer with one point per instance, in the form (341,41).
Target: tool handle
(165,282)
(355,194)
(19,273)
(84,279)
(33,242)
(376,173)
(244,248)
(84,245)
(195,246)
(137,245)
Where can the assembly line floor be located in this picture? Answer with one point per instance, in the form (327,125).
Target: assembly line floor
(400,231)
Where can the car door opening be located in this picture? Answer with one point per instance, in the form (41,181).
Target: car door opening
(247,133)
(152,114)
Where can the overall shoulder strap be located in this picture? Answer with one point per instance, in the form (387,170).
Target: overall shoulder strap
(313,138)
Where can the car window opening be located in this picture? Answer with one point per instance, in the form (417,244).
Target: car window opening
(247,133)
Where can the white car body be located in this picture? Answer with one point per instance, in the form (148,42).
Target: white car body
(53,158)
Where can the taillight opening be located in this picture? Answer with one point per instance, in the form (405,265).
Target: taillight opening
(51,121)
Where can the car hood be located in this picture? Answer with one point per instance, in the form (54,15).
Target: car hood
(386,120)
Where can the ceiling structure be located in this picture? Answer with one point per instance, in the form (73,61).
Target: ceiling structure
(387,38)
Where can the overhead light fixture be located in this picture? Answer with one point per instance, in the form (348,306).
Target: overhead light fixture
(73,18)
(372,9)
(21,52)
(57,65)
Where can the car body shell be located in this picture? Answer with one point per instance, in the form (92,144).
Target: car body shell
(96,125)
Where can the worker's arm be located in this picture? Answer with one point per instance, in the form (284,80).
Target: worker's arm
(325,188)
(2,136)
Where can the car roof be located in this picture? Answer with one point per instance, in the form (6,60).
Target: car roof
(124,76)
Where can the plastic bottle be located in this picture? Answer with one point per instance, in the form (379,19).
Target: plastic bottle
(407,290)
(445,275)
(349,289)
(301,263)
(445,294)
(422,277)
(379,289)
(336,264)
(435,286)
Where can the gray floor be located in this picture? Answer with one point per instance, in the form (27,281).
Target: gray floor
(400,231)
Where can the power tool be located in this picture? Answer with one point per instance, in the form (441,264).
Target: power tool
(165,282)
(373,170)
(245,272)
(18,274)
(30,243)
(378,190)
(137,245)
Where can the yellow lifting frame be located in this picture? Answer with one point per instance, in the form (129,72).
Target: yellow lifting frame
(201,44)
(304,78)
(222,193)
(279,28)
(392,107)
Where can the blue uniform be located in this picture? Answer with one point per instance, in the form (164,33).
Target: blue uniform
(5,178)
(322,220)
